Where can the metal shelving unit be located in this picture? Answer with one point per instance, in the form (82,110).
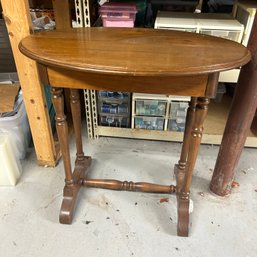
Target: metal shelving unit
(82,8)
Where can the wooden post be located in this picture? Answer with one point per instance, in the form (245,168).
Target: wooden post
(238,124)
(18,22)
(62,14)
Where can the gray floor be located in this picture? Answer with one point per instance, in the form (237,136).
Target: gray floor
(110,223)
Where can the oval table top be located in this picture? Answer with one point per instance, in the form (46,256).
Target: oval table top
(136,52)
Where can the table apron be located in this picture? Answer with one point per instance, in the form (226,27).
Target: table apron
(196,85)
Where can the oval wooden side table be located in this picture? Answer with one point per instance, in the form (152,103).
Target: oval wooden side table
(132,60)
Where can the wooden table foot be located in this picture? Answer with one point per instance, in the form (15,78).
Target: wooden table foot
(183,216)
(68,203)
(70,192)
(182,203)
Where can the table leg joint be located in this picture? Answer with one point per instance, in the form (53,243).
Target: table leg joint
(70,191)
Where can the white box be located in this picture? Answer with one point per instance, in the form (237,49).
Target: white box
(17,127)
(244,11)
(220,25)
(176,21)
(225,28)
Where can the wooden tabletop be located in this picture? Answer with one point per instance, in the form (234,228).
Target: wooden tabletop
(138,52)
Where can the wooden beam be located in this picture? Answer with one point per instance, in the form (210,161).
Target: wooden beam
(18,22)
(62,14)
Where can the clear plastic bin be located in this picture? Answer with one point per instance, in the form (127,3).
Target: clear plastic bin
(113,95)
(178,109)
(118,14)
(17,127)
(177,124)
(149,123)
(150,107)
(114,121)
(114,108)
(177,120)
(227,34)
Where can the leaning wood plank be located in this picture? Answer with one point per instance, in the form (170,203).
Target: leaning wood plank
(18,23)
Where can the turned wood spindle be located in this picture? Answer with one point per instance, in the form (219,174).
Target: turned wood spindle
(196,136)
(76,118)
(62,131)
(129,186)
(187,133)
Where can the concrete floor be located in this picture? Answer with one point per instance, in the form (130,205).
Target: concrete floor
(122,224)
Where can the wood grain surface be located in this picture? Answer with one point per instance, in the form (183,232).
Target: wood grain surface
(136,52)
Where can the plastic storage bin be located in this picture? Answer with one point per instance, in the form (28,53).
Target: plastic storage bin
(231,35)
(177,120)
(150,107)
(118,14)
(173,21)
(17,127)
(150,123)
(10,169)
(114,121)
(219,25)
(112,95)
(177,124)
(113,109)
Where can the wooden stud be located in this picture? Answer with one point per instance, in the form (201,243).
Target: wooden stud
(18,22)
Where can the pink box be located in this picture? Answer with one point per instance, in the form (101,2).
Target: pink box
(118,14)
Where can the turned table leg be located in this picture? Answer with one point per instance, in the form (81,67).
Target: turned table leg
(184,170)
(180,168)
(76,118)
(72,179)
(62,131)
(81,160)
